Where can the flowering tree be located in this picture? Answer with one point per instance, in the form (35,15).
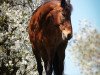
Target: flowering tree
(86,48)
(15,50)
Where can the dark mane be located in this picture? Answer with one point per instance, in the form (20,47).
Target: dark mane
(66,5)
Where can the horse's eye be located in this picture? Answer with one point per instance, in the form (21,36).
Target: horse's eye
(67,18)
(57,26)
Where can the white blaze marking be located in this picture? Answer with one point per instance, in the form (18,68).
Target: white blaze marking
(65,34)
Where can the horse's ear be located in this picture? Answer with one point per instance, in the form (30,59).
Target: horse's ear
(63,3)
(68,1)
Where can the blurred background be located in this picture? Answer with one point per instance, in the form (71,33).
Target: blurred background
(85,51)
(82,52)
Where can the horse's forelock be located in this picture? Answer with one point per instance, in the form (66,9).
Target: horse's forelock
(66,5)
(69,7)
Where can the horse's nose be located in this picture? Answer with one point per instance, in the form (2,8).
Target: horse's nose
(66,35)
(69,36)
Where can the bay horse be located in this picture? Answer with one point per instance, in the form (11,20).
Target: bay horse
(49,31)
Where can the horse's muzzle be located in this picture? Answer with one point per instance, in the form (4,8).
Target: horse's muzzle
(69,36)
(66,35)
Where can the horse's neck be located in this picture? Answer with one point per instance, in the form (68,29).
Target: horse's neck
(45,9)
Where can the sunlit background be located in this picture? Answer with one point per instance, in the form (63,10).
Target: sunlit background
(82,9)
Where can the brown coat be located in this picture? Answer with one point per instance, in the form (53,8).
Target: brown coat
(49,31)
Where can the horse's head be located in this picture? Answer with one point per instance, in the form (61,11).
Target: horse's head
(61,16)
(65,20)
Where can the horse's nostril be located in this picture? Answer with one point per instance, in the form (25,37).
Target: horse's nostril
(69,36)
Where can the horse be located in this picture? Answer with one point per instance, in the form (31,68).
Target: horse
(49,30)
